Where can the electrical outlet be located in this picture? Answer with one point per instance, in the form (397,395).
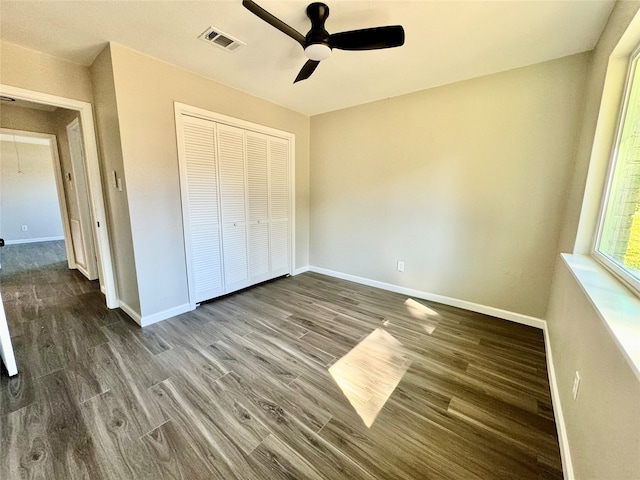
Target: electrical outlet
(24,228)
(576,385)
(400,266)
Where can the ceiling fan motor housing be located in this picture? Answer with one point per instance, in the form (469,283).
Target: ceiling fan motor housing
(317,43)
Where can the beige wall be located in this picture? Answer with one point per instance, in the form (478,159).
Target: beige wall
(28,194)
(464,183)
(603,424)
(27,119)
(145,89)
(117,202)
(33,70)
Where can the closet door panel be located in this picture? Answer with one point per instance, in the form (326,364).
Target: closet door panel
(259,252)
(279,256)
(232,174)
(258,177)
(279,206)
(233,199)
(258,199)
(207,268)
(235,257)
(279,178)
(202,219)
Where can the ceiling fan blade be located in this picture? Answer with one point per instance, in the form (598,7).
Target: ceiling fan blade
(257,10)
(368,38)
(307,70)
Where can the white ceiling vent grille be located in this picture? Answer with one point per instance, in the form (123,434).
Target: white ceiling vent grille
(214,36)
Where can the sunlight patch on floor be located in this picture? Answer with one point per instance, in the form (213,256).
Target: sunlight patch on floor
(422,312)
(370,372)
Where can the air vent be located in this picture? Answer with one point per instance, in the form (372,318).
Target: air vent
(226,42)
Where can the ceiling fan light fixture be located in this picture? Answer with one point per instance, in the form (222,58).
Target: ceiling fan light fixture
(317,51)
(318,43)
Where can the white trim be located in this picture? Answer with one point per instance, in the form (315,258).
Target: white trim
(131,312)
(23,136)
(617,307)
(165,314)
(32,240)
(146,320)
(622,273)
(300,270)
(6,347)
(103,250)
(563,439)
(190,110)
(453,302)
(604,137)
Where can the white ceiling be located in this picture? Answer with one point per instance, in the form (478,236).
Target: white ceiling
(446,41)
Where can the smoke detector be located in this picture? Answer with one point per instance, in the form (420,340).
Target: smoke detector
(214,36)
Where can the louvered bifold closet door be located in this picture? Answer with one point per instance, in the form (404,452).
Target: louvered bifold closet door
(202,218)
(233,180)
(258,198)
(279,203)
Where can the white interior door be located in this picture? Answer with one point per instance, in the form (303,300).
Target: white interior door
(233,199)
(200,200)
(258,203)
(80,218)
(279,206)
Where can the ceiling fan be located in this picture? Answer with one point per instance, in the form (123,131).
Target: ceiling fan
(318,43)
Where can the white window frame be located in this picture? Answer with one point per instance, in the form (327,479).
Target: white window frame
(621,273)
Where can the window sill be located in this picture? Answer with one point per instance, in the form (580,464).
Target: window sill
(616,305)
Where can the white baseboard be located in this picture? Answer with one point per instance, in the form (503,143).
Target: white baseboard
(165,314)
(131,312)
(32,240)
(563,439)
(146,320)
(300,270)
(453,302)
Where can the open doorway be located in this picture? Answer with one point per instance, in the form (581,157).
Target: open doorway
(43,187)
(95,207)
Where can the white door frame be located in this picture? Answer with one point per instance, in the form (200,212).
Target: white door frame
(94,180)
(57,173)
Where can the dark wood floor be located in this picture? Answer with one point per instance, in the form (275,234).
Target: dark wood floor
(303,378)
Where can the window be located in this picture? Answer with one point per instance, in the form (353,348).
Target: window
(618,240)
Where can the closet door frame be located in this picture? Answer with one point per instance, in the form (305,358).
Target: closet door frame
(189,110)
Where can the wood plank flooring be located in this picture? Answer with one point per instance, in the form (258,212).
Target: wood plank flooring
(266,383)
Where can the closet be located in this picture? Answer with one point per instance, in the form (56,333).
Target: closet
(235,181)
